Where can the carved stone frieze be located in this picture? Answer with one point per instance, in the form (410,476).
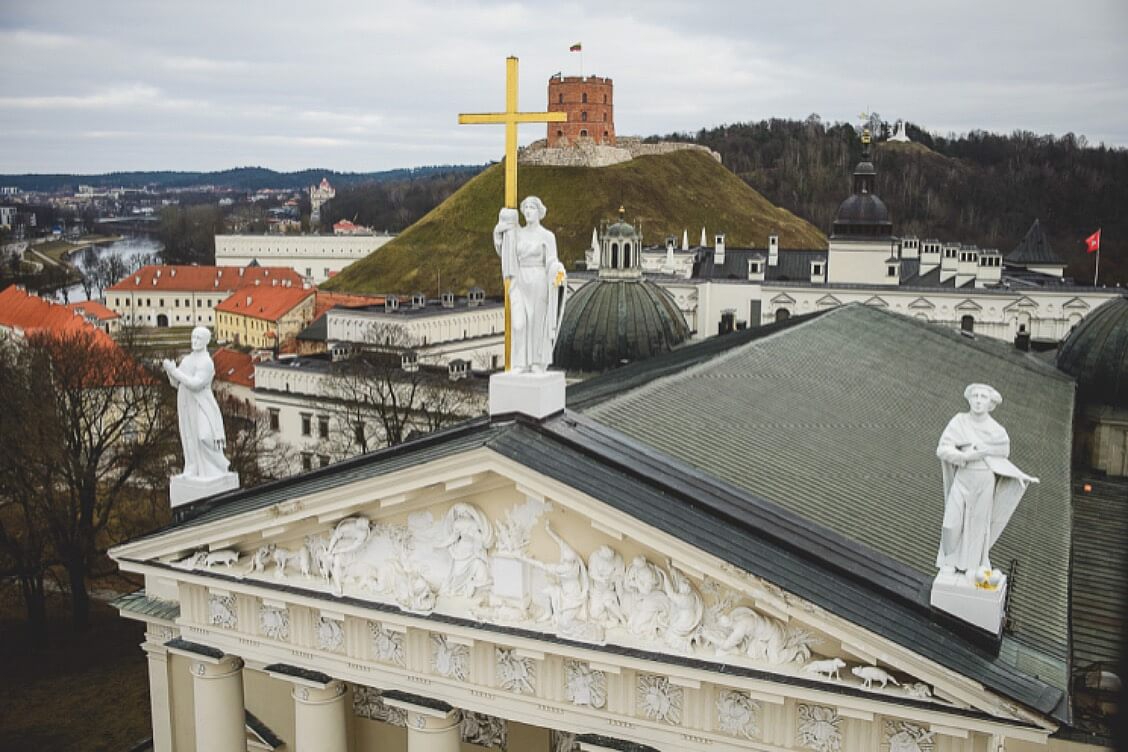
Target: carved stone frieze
(449,659)
(221,611)
(562,741)
(659,700)
(737,713)
(484,730)
(902,736)
(330,634)
(274,622)
(585,685)
(387,645)
(369,703)
(819,728)
(515,673)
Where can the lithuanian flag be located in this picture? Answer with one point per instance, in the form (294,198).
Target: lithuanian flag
(577,47)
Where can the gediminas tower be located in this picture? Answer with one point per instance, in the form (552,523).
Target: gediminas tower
(589,102)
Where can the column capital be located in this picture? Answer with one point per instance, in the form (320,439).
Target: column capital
(207,668)
(310,695)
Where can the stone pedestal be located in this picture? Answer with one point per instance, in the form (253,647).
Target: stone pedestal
(537,395)
(957,595)
(217,689)
(182,489)
(320,722)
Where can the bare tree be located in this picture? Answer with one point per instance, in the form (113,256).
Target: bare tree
(96,421)
(381,395)
(255,452)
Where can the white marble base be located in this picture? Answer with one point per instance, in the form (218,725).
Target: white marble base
(537,395)
(182,489)
(958,596)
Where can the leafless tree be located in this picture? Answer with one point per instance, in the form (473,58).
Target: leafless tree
(255,452)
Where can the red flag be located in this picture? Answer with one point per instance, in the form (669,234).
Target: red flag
(1093,242)
(577,47)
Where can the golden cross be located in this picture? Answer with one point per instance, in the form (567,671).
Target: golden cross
(510,118)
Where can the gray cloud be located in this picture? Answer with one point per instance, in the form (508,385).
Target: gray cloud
(354,85)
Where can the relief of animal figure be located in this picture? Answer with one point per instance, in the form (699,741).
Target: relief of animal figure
(870,674)
(828,668)
(262,558)
(917,690)
(283,557)
(227,557)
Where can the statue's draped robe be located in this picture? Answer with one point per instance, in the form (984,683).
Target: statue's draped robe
(979,496)
(529,260)
(201,425)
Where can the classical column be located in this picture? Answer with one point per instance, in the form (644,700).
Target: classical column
(217,686)
(320,722)
(157,656)
(432,725)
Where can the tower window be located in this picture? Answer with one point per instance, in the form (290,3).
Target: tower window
(605,117)
(561,99)
(583,132)
(559,134)
(583,98)
(583,116)
(604,99)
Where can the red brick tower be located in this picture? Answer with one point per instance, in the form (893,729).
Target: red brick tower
(589,102)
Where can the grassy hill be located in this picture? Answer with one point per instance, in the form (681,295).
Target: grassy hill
(665,194)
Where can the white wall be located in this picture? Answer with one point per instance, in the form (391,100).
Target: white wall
(314,256)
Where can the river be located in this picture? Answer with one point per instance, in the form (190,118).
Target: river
(129,249)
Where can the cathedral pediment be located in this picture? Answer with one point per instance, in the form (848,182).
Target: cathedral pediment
(471,565)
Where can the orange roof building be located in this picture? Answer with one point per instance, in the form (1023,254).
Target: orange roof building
(22,313)
(162,295)
(264,316)
(97,314)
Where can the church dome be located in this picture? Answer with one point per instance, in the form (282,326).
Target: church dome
(611,321)
(1096,354)
(621,230)
(863,209)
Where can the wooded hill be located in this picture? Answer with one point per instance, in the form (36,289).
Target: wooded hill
(452,246)
(982,188)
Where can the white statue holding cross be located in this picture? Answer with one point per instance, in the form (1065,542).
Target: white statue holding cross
(533,277)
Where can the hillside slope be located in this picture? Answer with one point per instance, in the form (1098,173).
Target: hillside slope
(452,245)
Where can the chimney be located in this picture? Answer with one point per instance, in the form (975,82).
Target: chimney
(719,249)
(258,282)
(773,250)
(702,236)
(1022,339)
(241,270)
(172,272)
(248,300)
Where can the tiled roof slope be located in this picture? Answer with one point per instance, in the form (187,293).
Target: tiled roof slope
(234,367)
(1100,563)
(93,309)
(837,419)
(1034,248)
(264,303)
(204,278)
(29,313)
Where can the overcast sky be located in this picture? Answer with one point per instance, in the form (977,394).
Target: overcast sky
(372,85)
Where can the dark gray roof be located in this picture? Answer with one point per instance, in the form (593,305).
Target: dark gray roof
(864,209)
(138,602)
(1033,249)
(616,744)
(420,700)
(775,416)
(298,672)
(433,307)
(794,265)
(1096,354)
(608,322)
(179,643)
(263,731)
(318,331)
(1099,592)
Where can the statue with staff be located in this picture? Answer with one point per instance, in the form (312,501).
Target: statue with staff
(533,277)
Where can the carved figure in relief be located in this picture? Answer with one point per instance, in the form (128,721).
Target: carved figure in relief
(646,603)
(982,487)
(274,622)
(466,536)
(568,594)
(514,531)
(386,644)
(870,674)
(903,736)
(226,557)
(828,668)
(515,673)
(606,570)
(917,690)
(658,699)
(450,659)
(262,558)
(585,685)
(330,636)
(221,610)
(819,728)
(348,538)
(484,730)
(686,609)
(284,557)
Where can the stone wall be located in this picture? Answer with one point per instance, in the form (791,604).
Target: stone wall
(587,153)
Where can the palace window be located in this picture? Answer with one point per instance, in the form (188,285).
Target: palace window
(307,422)
(323,460)
(358,431)
(307,460)
(275,418)
(323,426)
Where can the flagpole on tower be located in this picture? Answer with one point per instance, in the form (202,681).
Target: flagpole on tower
(1097,267)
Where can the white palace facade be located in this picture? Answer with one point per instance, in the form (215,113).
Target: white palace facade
(315,257)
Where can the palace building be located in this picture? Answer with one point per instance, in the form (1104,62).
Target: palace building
(721,548)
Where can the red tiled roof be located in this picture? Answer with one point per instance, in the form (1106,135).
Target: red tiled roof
(203,278)
(30,313)
(327,300)
(265,303)
(234,367)
(93,308)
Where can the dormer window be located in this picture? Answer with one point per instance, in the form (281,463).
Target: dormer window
(891,270)
(817,269)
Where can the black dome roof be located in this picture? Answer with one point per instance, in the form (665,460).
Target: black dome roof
(862,209)
(608,321)
(1096,354)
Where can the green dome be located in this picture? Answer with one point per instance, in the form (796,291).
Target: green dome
(611,321)
(1096,354)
